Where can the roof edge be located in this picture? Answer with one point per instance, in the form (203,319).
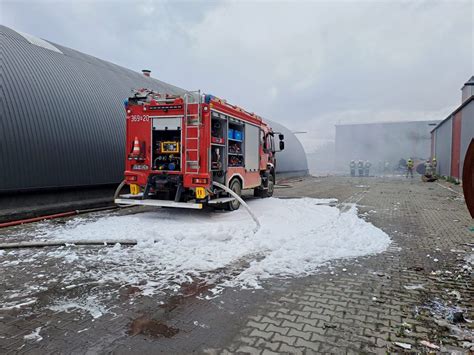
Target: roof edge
(460,107)
(382,122)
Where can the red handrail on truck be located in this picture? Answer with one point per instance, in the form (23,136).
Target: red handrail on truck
(178,145)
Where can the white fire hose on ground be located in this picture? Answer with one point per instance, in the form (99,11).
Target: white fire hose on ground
(242,202)
(57,243)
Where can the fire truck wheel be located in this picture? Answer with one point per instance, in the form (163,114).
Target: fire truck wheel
(237,188)
(271,186)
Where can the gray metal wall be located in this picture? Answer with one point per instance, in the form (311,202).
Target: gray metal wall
(467,130)
(443,144)
(378,142)
(62,120)
(292,160)
(62,116)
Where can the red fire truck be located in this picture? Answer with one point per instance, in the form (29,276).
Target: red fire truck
(180,147)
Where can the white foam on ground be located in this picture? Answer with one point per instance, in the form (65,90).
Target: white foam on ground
(35,335)
(88,304)
(297,236)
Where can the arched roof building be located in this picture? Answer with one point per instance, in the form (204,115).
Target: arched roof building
(62,120)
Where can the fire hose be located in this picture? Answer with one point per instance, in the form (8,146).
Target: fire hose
(61,243)
(242,202)
(57,243)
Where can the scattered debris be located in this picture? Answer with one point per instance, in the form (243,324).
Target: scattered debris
(469,259)
(35,335)
(403,345)
(456,294)
(458,317)
(442,323)
(202,325)
(429,345)
(468,345)
(414,287)
(440,310)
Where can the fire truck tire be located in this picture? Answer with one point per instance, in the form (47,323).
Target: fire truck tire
(271,186)
(235,186)
(263,193)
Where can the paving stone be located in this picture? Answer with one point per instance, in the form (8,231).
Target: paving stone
(259,334)
(288,324)
(274,321)
(307,345)
(289,317)
(310,321)
(248,350)
(285,349)
(257,325)
(273,328)
(284,339)
(299,334)
(261,344)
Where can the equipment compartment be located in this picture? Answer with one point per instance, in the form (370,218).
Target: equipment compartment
(167,149)
(218,129)
(236,144)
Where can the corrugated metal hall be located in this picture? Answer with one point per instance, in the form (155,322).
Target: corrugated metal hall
(62,116)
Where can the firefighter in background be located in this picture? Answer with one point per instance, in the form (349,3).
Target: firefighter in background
(352,166)
(434,164)
(410,166)
(367,167)
(360,166)
(429,175)
(428,168)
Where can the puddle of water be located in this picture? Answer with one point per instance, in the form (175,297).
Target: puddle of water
(151,327)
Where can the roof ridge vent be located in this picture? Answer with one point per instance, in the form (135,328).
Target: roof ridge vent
(39,42)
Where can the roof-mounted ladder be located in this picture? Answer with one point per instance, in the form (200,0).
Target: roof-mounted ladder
(193,123)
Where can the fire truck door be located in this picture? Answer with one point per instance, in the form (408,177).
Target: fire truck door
(251,148)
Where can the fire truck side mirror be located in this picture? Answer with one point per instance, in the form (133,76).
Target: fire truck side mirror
(282,144)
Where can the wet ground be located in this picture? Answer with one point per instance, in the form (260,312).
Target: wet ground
(415,296)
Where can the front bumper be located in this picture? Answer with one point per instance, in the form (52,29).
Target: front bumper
(157,203)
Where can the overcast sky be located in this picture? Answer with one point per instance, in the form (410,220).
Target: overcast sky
(307,65)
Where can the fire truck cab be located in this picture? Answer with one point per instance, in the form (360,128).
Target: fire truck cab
(179,147)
